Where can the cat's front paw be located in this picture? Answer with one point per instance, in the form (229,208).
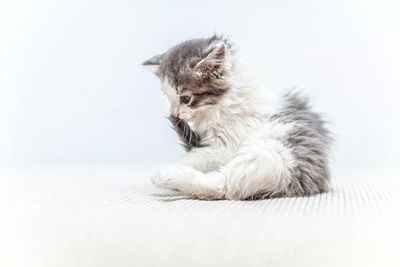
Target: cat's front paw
(163,175)
(170,176)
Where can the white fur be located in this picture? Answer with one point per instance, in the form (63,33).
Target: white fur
(244,155)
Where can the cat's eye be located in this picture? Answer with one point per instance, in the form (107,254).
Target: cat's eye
(185,99)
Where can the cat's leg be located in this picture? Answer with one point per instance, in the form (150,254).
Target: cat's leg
(195,174)
(202,159)
(260,167)
(188,174)
(190,181)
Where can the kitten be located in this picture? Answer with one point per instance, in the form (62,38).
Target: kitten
(240,142)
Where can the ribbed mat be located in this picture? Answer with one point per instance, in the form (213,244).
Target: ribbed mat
(116,218)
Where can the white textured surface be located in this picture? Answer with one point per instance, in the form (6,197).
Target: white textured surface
(114,217)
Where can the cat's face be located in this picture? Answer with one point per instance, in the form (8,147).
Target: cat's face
(193,75)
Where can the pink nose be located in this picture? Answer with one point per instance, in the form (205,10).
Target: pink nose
(175,114)
(174,111)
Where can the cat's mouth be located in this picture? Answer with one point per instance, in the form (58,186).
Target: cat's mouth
(178,117)
(186,116)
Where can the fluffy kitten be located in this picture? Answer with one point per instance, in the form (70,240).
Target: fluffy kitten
(240,143)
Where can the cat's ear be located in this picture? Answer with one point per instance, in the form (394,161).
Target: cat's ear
(153,64)
(214,63)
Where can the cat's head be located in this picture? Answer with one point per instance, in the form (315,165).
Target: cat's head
(194,75)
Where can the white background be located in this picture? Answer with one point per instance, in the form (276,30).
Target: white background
(72,90)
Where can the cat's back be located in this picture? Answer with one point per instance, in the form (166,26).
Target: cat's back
(295,108)
(309,141)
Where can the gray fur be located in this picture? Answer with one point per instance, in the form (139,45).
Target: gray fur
(153,61)
(188,137)
(180,67)
(309,140)
(310,143)
(178,62)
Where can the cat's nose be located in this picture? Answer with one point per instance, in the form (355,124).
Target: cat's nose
(175,114)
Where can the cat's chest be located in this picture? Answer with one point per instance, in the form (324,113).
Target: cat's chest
(231,133)
(224,138)
(224,142)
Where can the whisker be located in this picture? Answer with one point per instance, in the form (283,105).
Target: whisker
(188,137)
